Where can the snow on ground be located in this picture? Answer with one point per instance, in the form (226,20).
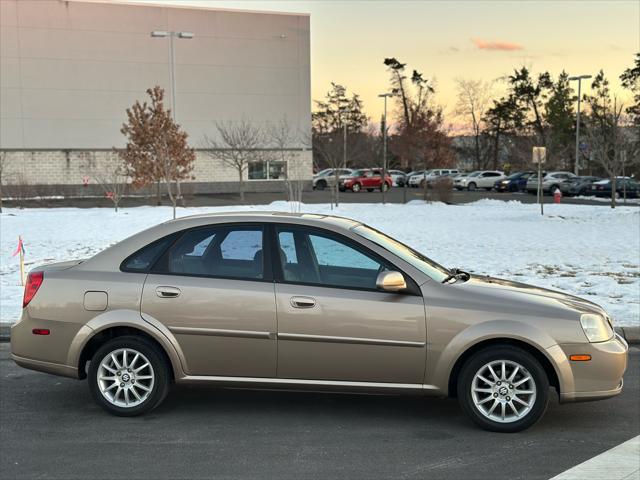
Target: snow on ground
(590,251)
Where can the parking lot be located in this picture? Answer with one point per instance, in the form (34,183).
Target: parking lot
(394,195)
(51,428)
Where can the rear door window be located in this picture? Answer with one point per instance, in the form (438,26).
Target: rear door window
(217,251)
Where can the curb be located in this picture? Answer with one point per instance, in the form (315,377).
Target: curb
(630,334)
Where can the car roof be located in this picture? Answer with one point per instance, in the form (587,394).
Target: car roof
(268,216)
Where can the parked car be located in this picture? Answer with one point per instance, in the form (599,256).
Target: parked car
(283,301)
(516,182)
(369,179)
(326,177)
(550,181)
(624,185)
(398,177)
(577,185)
(419,180)
(445,178)
(479,179)
(414,178)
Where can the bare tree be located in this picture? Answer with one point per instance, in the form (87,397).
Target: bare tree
(157,149)
(330,148)
(112,176)
(607,140)
(237,144)
(286,143)
(474,99)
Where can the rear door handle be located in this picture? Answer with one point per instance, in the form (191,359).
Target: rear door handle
(303,302)
(167,292)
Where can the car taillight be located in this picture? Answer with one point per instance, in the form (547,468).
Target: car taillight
(34,280)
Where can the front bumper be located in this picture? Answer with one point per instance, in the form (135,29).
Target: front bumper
(597,379)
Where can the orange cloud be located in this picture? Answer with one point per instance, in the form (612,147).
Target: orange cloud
(504,46)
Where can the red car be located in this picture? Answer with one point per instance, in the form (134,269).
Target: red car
(369,179)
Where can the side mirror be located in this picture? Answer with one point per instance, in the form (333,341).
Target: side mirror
(391,281)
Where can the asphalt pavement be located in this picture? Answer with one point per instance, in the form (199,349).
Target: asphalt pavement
(51,428)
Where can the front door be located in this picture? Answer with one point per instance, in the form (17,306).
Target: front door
(212,291)
(332,322)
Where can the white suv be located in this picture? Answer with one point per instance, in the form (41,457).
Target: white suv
(478,179)
(327,177)
(550,181)
(416,180)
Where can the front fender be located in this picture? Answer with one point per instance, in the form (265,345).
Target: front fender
(441,367)
(132,319)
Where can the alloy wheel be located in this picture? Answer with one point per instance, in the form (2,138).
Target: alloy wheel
(503,391)
(125,377)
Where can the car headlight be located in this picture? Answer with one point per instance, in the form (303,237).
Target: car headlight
(596,327)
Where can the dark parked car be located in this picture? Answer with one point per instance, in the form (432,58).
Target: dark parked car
(516,182)
(578,185)
(603,188)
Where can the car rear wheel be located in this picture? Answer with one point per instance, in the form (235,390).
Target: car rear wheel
(384,187)
(356,187)
(128,376)
(503,389)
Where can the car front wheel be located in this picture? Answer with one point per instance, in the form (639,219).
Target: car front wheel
(356,187)
(128,376)
(503,389)
(472,186)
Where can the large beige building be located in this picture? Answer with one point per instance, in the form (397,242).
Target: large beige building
(69,70)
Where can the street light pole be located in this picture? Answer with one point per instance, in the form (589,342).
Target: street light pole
(383,186)
(345,111)
(579,78)
(172,35)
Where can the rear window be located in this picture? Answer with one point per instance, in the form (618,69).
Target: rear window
(143,259)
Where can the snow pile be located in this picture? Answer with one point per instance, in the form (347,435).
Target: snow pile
(590,251)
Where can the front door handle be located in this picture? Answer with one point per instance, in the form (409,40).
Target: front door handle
(167,292)
(303,302)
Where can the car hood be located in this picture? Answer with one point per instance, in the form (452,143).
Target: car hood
(521,295)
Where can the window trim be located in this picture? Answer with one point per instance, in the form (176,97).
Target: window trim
(278,275)
(266,253)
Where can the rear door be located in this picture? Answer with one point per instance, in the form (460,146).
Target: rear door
(213,290)
(333,324)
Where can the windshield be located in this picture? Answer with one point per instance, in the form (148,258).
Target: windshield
(474,174)
(425,265)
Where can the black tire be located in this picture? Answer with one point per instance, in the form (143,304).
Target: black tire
(472,186)
(496,353)
(157,360)
(321,185)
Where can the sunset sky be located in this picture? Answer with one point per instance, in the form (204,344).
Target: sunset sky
(446,40)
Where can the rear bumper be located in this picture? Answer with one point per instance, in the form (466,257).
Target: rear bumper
(597,379)
(46,367)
